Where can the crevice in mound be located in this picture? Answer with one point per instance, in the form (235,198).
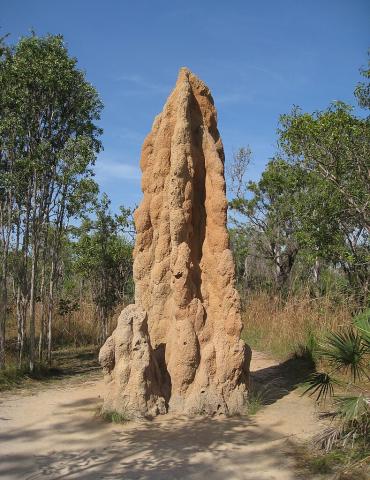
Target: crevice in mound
(160,356)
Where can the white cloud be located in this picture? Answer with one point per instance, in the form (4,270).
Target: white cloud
(266,72)
(141,85)
(115,170)
(130,135)
(232,98)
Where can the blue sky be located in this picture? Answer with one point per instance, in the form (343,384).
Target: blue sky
(259,58)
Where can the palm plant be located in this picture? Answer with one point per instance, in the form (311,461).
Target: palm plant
(346,352)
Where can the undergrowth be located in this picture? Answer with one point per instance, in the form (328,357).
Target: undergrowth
(12,376)
(296,328)
(339,464)
(66,362)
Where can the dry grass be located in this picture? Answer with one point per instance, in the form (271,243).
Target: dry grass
(77,329)
(73,331)
(292,325)
(272,324)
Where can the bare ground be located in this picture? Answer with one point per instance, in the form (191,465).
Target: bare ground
(54,434)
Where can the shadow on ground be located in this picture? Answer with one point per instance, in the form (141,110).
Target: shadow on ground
(169,449)
(76,362)
(69,363)
(73,443)
(276,381)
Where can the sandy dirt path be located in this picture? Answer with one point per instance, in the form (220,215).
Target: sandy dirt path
(53,434)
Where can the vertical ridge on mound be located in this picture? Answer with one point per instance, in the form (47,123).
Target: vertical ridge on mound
(183,266)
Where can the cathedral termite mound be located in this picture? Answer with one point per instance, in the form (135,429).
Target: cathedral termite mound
(188,357)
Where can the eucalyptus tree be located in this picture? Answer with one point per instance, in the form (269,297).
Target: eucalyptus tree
(334,146)
(314,197)
(49,137)
(268,209)
(362,91)
(104,259)
(6,213)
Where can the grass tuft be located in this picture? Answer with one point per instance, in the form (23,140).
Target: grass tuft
(112,416)
(255,401)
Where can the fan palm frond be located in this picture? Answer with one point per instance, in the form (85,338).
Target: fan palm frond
(345,351)
(351,422)
(353,409)
(329,437)
(321,384)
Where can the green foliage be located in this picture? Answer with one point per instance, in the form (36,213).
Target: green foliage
(312,206)
(333,143)
(271,217)
(352,409)
(362,324)
(309,213)
(47,117)
(239,245)
(49,139)
(362,90)
(332,146)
